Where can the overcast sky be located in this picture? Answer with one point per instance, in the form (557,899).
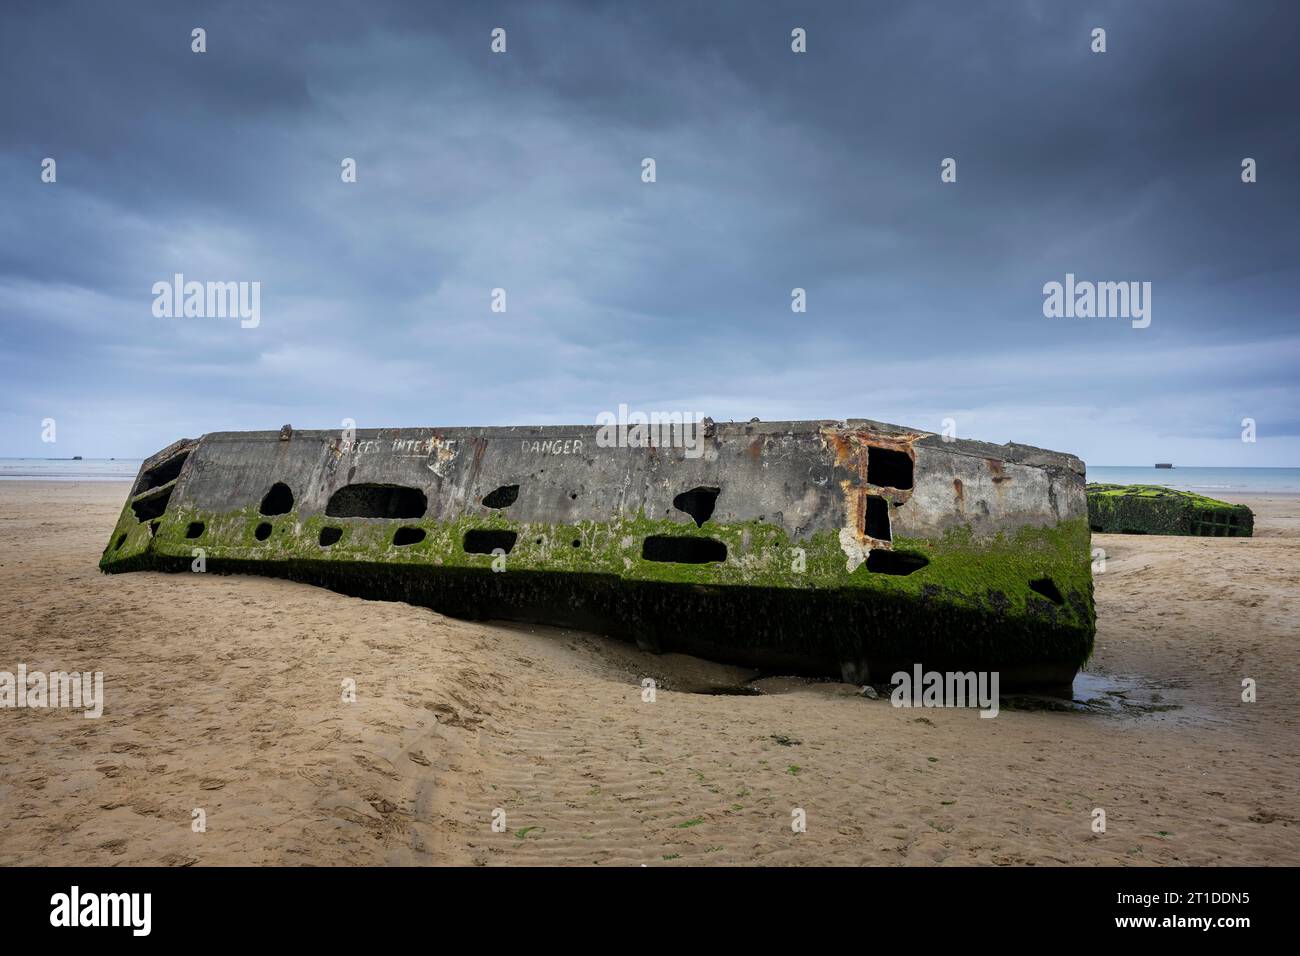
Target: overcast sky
(775,170)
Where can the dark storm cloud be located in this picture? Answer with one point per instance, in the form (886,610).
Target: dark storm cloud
(775,170)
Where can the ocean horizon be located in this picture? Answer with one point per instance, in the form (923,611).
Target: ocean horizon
(69,469)
(1205,480)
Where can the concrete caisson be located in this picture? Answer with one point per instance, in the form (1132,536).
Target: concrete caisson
(842,548)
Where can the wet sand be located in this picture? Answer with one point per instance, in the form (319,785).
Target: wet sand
(224,694)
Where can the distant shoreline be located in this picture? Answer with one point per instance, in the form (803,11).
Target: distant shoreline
(1214,482)
(69,469)
(42,479)
(1225,494)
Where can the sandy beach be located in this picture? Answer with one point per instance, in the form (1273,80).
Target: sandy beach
(224,695)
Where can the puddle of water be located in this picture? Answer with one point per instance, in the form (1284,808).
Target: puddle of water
(1108,694)
(1094,688)
(1120,695)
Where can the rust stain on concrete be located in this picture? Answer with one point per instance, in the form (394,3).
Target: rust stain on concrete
(852,449)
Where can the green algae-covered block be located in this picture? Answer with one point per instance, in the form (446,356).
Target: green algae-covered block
(1152,509)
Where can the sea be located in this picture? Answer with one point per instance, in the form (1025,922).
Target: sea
(69,469)
(1205,481)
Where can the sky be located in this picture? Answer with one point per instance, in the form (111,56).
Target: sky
(774,170)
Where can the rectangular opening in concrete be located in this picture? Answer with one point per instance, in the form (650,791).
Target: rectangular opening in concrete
(149,507)
(682,550)
(881,561)
(876,520)
(377,501)
(162,473)
(485,541)
(889,468)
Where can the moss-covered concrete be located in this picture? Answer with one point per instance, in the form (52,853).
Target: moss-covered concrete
(774,601)
(1152,509)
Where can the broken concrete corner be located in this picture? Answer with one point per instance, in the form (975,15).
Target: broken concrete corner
(848,549)
(1154,509)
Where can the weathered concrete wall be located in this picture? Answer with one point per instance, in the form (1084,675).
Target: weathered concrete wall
(895,542)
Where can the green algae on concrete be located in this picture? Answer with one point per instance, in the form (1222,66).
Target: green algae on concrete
(1154,509)
(1004,602)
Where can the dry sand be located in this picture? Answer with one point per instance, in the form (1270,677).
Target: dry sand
(224,694)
